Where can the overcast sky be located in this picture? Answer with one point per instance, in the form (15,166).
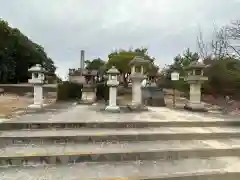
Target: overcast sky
(166,27)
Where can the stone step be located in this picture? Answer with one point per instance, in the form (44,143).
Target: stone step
(129,134)
(215,168)
(9,125)
(150,150)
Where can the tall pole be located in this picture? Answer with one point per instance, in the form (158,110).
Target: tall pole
(174,97)
(82,61)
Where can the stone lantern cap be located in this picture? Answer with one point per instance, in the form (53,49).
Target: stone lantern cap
(138,60)
(37,68)
(195,65)
(113,71)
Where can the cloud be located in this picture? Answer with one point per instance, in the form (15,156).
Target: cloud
(166,27)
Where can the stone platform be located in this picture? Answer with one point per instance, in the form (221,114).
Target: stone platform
(82,143)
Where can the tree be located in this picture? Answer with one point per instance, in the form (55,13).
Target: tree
(202,46)
(223,68)
(224,43)
(95,64)
(220,43)
(18,54)
(179,65)
(217,47)
(224,74)
(87,62)
(121,59)
(182,61)
(233,31)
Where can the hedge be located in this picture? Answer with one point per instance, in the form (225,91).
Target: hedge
(102,91)
(69,91)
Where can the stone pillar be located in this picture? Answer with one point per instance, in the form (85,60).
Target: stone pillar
(137,89)
(113,84)
(195,79)
(112,95)
(195,93)
(137,76)
(38,94)
(37,81)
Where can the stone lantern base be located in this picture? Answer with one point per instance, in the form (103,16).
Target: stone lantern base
(88,94)
(88,97)
(197,107)
(112,109)
(36,106)
(137,107)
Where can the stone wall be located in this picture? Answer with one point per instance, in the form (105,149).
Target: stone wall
(153,96)
(49,90)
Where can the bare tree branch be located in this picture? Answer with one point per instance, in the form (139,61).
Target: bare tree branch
(202,46)
(233,33)
(221,42)
(234,30)
(225,42)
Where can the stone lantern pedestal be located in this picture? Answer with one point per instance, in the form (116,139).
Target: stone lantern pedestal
(89,87)
(113,84)
(137,76)
(195,79)
(37,81)
(137,79)
(88,94)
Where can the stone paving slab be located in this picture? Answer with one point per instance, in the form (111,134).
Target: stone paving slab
(85,114)
(46,113)
(125,170)
(116,148)
(118,132)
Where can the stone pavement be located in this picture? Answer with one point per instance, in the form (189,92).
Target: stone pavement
(83,114)
(119,148)
(82,143)
(128,170)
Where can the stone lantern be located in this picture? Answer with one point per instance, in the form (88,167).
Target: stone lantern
(37,81)
(113,84)
(195,79)
(89,86)
(137,76)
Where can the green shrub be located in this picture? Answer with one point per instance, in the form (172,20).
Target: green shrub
(102,91)
(69,91)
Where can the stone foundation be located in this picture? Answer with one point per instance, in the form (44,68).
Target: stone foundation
(197,107)
(112,109)
(137,108)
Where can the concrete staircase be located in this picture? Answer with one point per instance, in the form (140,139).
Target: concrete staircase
(159,150)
